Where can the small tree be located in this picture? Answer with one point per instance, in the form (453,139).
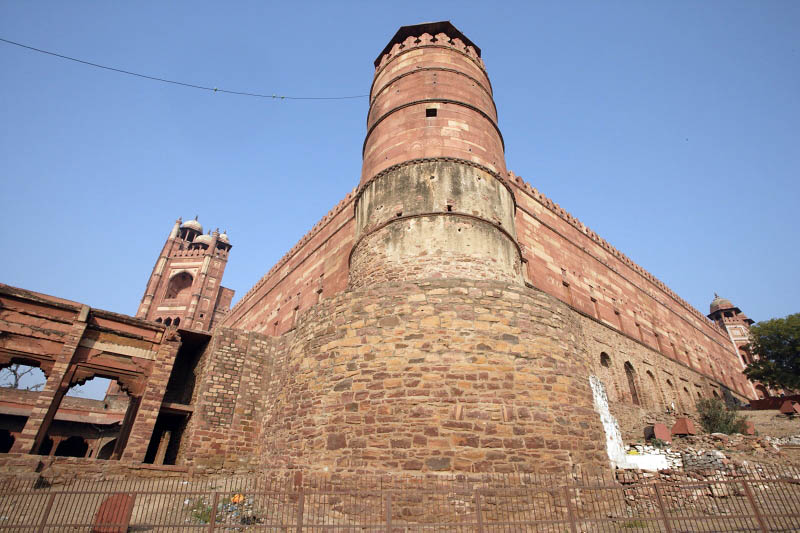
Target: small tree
(716,417)
(777,344)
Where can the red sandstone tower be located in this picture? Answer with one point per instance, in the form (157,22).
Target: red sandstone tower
(184,288)
(432,201)
(731,319)
(736,323)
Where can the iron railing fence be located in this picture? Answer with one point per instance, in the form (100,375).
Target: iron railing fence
(757,500)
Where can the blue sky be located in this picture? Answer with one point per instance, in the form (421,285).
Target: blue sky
(670,128)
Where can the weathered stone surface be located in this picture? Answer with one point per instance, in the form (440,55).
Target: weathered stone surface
(684,426)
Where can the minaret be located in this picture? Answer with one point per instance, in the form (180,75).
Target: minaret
(433,202)
(184,288)
(736,323)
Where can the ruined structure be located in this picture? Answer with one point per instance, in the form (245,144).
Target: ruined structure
(445,316)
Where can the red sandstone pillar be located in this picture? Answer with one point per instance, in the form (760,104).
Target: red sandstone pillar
(49,399)
(158,272)
(193,319)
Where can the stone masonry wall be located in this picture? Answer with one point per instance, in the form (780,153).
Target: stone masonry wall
(437,376)
(564,258)
(659,382)
(223,431)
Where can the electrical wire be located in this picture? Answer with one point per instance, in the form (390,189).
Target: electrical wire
(190,85)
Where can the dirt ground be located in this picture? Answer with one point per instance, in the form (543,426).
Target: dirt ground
(773,423)
(632,421)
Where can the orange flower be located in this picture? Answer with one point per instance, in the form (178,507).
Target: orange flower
(237,498)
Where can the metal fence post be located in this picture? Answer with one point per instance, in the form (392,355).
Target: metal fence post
(43,521)
(388,512)
(572,524)
(300,504)
(213,515)
(754,505)
(661,508)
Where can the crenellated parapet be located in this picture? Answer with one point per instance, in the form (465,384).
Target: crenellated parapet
(269,278)
(432,34)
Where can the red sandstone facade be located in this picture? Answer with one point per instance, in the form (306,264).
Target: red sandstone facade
(444,316)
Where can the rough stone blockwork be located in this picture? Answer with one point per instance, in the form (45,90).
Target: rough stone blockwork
(433,376)
(229,404)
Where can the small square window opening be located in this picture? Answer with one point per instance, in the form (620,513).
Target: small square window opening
(430,112)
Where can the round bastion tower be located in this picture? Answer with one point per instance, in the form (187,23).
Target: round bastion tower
(437,358)
(432,202)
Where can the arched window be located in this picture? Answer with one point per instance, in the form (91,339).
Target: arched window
(179,286)
(177,321)
(673,394)
(20,375)
(168,322)
(6,440)
(605,360)
(158,320)
(654,386)
(107,449)
(744,353)
(631,374)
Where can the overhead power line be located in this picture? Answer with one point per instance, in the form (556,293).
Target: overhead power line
(184,84)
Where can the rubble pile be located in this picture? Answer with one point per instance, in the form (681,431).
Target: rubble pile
(673,457)
(715,451)
(793,440)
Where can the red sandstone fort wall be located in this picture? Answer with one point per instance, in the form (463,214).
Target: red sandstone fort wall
(315,268)
(565,259)
(569,261)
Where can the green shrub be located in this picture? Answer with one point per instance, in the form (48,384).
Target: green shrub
(658,443)
(201,511)
(716,417)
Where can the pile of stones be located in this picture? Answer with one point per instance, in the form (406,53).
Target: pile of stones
(704,460)
(708,452)
(793,440)
(736,442)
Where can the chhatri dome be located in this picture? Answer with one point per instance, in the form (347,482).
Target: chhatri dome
(193,224)
(720,303)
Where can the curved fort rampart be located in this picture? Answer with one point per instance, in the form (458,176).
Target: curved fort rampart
(446,315)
